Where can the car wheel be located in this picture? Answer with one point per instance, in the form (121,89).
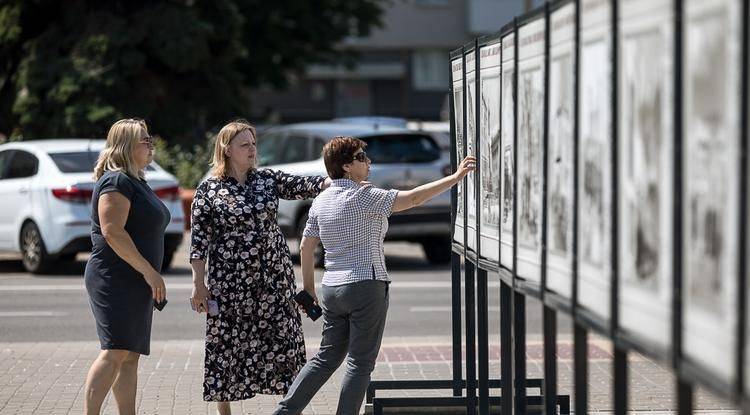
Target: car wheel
(437,250)
(35,257)
(319,254)
(166,263)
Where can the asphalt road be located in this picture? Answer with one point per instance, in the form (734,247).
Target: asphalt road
(55,307)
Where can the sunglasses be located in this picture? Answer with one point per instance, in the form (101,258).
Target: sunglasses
(361,156)
(150,140)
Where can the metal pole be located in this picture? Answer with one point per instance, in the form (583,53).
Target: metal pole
(549,315)
(506,349)
(580,368)
(519,334)
(519,301)
(684,397)
(455,257)
(471,364)
(550,361)
(621,381)
(684,388)
(483,342)
(742,282)
(621,355)
(456,323)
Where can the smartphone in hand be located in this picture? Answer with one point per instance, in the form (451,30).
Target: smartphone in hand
(313,310)
(160,306)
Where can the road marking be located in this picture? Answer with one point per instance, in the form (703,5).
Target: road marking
(429,309)
(179,286)
(32,314)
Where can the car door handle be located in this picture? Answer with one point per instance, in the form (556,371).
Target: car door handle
(23,190)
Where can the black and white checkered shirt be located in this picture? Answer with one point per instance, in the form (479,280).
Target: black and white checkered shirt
(351,221)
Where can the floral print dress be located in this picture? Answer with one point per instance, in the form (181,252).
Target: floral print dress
(255,344)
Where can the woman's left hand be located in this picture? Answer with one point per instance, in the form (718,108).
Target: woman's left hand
(199,297)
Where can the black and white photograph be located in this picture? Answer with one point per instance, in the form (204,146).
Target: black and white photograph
(560,156)
(595,159)
(471,122)
(489,139)
(645,169)
(507,162)
(530,149)
(560,167)
(710,181)
(458,121)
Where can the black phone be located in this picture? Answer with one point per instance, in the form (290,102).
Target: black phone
(160,306)
(313,310)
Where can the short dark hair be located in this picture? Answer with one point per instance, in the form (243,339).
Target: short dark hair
(339,151)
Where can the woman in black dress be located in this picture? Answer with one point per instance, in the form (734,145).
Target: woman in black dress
(254,344)
(122,275)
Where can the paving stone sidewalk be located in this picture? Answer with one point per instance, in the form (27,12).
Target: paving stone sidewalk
(47,378)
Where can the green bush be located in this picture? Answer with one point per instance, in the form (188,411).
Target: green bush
(189,165)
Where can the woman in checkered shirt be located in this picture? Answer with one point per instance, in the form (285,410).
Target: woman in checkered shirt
(350,218)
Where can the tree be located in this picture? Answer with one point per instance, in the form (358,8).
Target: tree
(70,68)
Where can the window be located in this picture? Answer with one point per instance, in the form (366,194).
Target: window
(429,70)
(403,148)
(79,161)
(4,161)
(432,3)
(22,164)
(269,148)
(295,149)
(317,151)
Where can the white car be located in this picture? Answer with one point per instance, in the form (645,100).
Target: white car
(46,188)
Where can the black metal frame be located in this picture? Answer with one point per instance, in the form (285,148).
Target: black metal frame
(513,291)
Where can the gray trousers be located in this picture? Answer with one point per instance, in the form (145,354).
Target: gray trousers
(353,322)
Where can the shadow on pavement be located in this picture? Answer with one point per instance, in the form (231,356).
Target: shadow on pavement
(73,268)
(63,269)
(11,266)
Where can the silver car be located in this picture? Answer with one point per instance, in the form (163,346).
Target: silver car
(401,159)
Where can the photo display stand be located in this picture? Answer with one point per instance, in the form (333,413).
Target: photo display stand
(530,131)
(645,180)
(712,141)
(458,384)
(595,162)
(611,139)
(561,152)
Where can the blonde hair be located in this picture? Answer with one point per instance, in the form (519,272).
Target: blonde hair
(220,167)
(117,155)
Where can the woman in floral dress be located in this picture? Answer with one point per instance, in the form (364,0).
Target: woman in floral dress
(254,344)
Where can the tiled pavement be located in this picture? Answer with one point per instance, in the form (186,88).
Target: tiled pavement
(47,378)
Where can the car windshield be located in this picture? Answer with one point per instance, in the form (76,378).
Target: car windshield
(79,161)
(268,149)
(404,148)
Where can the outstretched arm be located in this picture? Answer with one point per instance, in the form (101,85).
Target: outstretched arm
(417,196)
(293,187)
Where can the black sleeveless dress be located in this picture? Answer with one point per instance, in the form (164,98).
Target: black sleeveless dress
(120,298)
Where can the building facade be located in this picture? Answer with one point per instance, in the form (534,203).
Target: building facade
(402,68)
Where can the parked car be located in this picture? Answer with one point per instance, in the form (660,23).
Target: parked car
(46,188)
(401,159)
